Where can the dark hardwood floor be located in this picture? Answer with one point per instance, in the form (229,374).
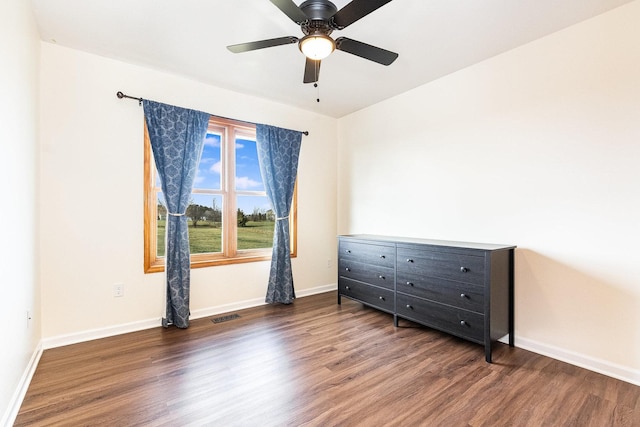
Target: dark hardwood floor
(314,363)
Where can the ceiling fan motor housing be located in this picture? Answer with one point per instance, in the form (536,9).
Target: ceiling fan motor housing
(319,13)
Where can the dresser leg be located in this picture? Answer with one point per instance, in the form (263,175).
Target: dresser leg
(395,320)
(339,299)
(511,298)
(487,352)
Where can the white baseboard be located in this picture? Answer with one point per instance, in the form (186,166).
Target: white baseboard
(317,290)
(93,334)
(241,305)
(11,413)
(604,367)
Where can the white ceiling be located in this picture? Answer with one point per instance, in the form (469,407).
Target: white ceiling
(189,38)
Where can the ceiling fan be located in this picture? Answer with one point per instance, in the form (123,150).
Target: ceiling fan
(317,20)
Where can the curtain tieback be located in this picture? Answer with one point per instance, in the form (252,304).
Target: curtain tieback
(175,214)
(284,217)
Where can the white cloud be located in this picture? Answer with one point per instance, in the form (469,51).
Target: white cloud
(244,183)
(212,142)
(215,167)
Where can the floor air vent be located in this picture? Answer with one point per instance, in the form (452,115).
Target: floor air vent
(225,318)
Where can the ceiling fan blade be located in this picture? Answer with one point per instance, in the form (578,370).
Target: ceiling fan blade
(289,8)
(311,71)
(366,51)
(355,10)
(261,44)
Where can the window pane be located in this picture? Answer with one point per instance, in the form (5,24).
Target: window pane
(204,233)
(248,176)
(256,222)
(158,183)
(205,223)
(161,220)
(208,175)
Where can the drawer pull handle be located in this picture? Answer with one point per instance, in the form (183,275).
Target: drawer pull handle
(464,269)
(381,298)
(347,288)
(381,277)
(463,295)
(348,251)
(348,269)
(382,256)
(409,283)
(463,323)
(409,260)
(409,307)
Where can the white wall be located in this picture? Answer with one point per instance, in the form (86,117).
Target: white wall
(18,185)
(538,147)
(92,188)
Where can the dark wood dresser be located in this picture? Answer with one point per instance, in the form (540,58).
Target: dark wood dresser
(464,289)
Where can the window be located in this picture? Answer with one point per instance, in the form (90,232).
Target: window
(229,215)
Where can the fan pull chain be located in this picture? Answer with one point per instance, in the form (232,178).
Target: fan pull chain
(316,82)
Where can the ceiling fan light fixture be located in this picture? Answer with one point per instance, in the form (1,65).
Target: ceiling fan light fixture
(317,46)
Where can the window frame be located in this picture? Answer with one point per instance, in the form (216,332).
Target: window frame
(230,254)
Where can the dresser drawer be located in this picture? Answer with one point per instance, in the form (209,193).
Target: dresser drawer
(372,274)
(365,253)
(463,323)
(458,294)
(445,265)
(371,295)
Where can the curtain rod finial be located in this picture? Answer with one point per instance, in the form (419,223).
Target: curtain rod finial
(121,95)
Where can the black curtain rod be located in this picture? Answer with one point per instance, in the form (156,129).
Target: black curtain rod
(122,95)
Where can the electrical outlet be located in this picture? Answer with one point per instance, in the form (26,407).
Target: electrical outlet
(329,263)
(118,290)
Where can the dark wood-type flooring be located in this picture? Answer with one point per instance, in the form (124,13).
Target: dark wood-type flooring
(314,363)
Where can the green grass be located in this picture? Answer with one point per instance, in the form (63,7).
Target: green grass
(207,237)
(256,235)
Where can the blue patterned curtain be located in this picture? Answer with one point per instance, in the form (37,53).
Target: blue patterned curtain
(278,152)
(177,136)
